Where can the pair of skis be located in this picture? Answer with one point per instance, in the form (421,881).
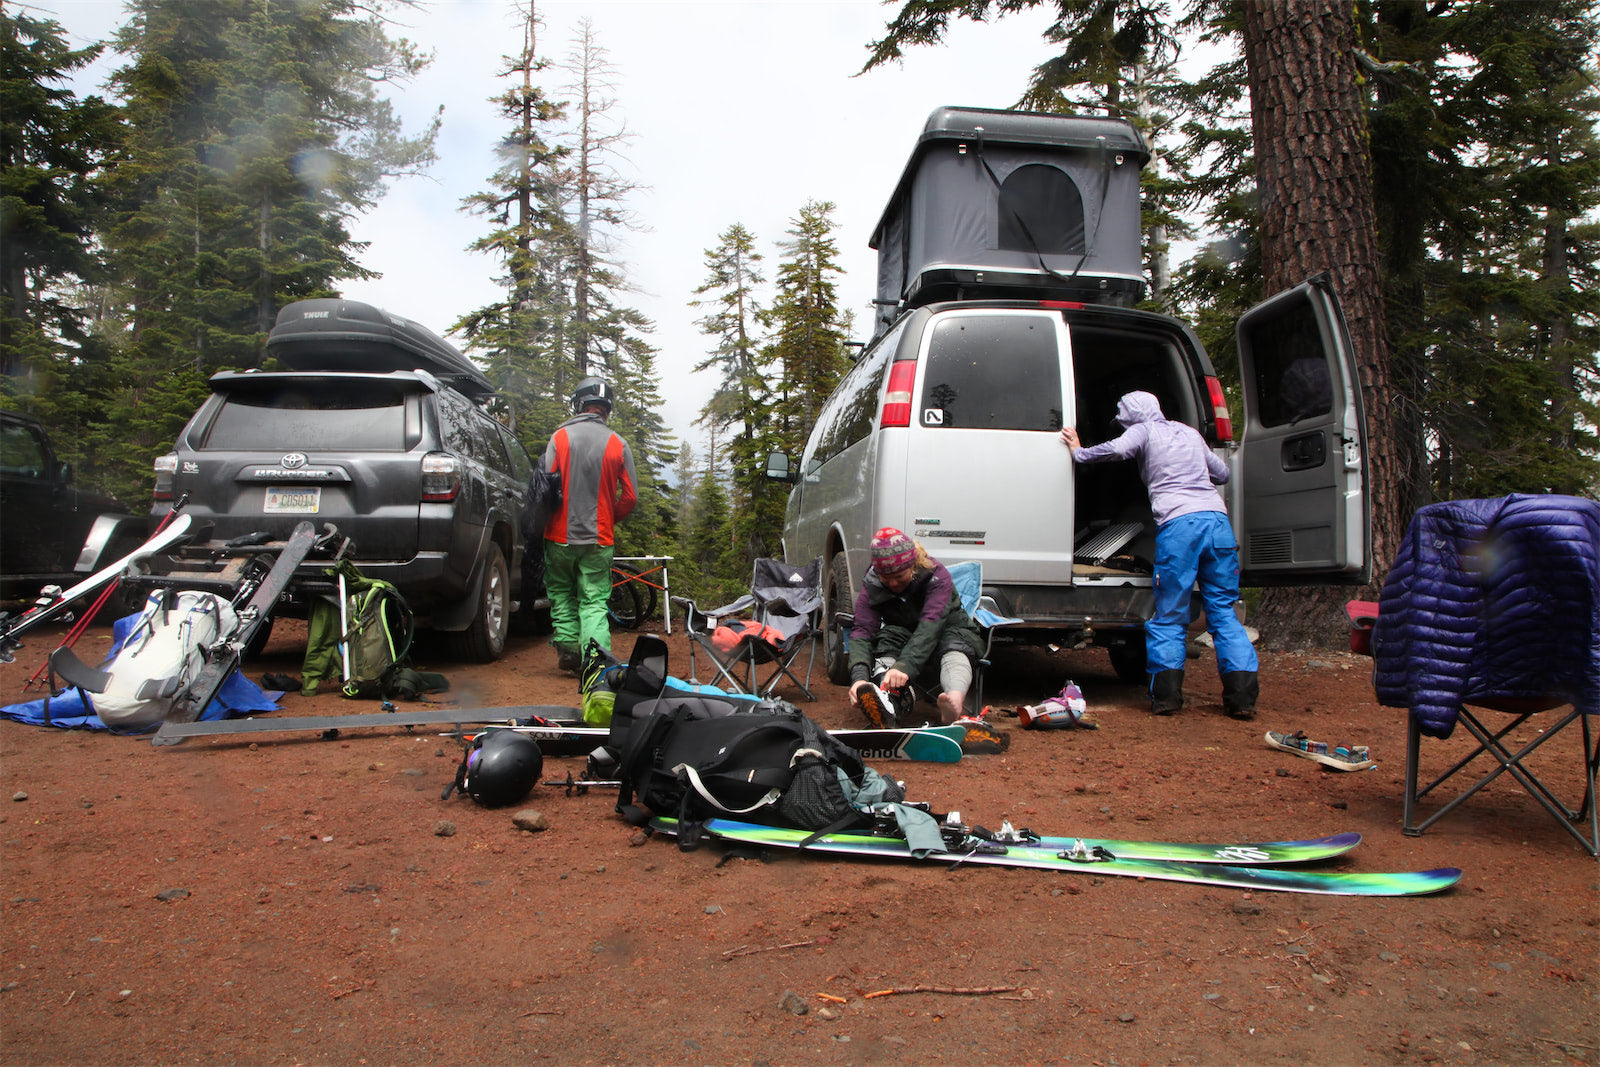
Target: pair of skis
(11,629)
(562,733)
(1243,865)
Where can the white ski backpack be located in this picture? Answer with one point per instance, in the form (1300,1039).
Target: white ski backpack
(163,653)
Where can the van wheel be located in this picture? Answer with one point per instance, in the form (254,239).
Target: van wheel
(1129,662)
(484,641)
(835,655)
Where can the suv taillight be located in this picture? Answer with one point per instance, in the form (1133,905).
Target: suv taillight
(897,396)
(441,476)
(165,467)
(1219,408)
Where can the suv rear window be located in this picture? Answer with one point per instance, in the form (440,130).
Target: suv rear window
(993,372)
(363,416)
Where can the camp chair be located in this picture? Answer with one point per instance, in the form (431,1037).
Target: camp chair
(1493,608)
(967,577)
(772,624)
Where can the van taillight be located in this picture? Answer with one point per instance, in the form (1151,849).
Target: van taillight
(897,397)
(441,476)
(1219,407)
(165,467)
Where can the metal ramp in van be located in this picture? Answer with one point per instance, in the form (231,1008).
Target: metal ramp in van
(1095,548)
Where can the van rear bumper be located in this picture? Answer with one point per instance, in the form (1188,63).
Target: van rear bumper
(1097,607)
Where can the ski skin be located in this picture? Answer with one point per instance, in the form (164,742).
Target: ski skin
(1276,879)
(224,658)
(169,535)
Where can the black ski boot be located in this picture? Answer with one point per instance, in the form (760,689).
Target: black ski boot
(1239,692)
(1166,692)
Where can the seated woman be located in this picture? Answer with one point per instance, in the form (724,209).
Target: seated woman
(909,621)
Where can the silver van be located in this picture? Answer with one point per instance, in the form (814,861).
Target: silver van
(948,424)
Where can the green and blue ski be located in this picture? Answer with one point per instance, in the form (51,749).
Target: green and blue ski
(1088,860)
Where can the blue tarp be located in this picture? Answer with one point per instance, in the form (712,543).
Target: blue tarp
(74,710)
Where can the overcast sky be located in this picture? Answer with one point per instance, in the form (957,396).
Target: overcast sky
(740,111)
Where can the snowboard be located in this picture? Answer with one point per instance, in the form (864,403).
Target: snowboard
(566,736)
(171,733)
(10,629)
(978,851)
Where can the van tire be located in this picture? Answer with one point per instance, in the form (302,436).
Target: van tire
(484,640)
(838,598)
(1129,662)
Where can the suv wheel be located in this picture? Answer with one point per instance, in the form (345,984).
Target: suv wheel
(484,641)
(834,654)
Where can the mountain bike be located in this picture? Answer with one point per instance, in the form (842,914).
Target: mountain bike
(633,596)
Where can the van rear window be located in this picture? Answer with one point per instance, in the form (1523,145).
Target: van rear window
(992,372)
(354,416)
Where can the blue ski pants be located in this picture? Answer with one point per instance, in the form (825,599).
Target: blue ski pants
(1198,547)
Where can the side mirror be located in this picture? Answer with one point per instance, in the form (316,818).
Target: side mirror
(778,467)
(64,472)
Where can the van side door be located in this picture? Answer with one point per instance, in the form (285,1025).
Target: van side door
(1301,506)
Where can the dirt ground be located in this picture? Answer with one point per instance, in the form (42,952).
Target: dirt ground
(296,900)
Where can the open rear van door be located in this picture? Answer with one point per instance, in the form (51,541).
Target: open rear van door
(1301,506)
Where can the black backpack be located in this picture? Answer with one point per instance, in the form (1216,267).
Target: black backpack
(695,758)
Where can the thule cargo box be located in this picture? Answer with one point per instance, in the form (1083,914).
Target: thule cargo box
(1013,205)
(348,335)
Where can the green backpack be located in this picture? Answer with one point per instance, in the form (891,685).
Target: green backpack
(381,628)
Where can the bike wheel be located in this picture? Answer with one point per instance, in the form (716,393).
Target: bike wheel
(625,605)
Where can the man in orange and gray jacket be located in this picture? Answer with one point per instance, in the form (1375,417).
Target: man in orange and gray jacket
(595,466)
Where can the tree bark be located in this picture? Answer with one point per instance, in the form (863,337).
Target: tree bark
(1313,177)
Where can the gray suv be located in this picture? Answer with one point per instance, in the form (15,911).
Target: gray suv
(426,484)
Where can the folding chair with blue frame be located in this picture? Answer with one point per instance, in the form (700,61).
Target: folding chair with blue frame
(967,577)
(771,624)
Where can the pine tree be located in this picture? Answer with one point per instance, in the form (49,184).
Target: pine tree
(809,329)
(254,130)
(740,401)
(523,337)
(51,145)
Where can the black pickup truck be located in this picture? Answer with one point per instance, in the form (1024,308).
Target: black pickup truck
(51,532)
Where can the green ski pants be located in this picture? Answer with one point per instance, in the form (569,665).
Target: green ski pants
(578,579)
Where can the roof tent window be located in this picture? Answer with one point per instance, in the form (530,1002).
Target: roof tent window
(1042,201)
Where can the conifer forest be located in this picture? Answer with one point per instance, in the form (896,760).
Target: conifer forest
(150,232)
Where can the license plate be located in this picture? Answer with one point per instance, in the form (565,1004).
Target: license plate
(300,500)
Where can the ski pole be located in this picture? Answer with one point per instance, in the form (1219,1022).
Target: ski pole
(344,627)
(88,617)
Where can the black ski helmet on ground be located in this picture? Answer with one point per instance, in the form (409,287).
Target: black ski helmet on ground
(593,391)
(501,767)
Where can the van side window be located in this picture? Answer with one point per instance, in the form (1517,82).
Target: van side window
(1040,210)
(992,372)
(1291,373)
(851,411)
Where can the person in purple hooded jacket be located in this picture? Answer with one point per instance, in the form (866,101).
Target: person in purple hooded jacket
(1194,542)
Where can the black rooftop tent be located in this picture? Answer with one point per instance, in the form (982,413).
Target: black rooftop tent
(1013,204)
(348,335)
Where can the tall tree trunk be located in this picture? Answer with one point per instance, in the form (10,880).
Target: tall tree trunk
(1314,180)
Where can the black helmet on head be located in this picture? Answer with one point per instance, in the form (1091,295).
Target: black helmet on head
(501,767)
(593,391)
